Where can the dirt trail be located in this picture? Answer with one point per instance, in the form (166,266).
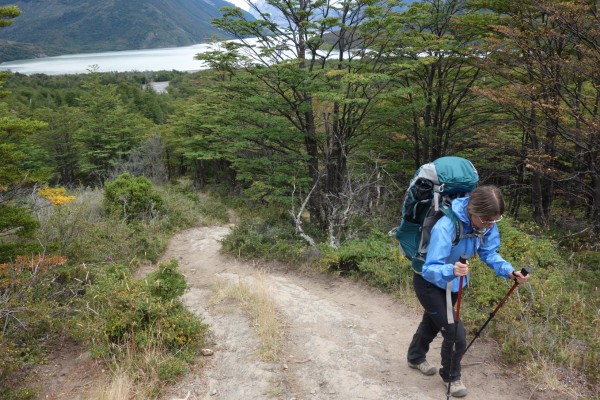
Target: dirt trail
(342,341)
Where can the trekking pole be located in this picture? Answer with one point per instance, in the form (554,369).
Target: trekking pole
(525,272)
(463,260)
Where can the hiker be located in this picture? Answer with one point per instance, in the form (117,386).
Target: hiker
(478,214)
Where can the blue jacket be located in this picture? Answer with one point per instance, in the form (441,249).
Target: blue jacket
(441,256)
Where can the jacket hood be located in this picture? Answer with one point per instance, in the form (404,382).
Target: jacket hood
(459,206)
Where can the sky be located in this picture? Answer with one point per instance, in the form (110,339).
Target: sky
(243,4)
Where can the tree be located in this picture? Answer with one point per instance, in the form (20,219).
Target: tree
(59,141)
(14,173)
(309,78)
(198,138)
(7,13)
(579,92)
(109,130)
(16,176)
(549,68)
(433,108)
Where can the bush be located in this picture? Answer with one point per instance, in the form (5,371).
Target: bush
(258,237)
(132,198)
(35,296)
(376,260)
(16,225)
(185,208)
(128,311)
(140,323)
(167,282)
(81,231)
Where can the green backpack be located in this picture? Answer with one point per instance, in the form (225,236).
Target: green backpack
(429,197)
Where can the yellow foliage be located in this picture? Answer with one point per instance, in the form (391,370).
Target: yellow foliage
(56,196)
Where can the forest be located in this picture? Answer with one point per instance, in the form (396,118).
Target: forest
(311,128)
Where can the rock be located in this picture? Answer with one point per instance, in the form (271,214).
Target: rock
(207,352)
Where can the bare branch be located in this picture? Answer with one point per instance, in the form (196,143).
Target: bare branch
(298,217)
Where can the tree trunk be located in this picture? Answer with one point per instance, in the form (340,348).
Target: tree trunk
(315,204)
(536,178)
(199,174)
(516,198)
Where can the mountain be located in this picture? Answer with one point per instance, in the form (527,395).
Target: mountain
(53,27)
(279,19)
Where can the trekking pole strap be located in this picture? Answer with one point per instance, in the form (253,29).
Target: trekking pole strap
(449,313)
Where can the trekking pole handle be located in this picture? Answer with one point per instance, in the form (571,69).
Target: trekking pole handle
(524,271)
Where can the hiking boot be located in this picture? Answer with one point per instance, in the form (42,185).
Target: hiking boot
(424,367)
(457,389)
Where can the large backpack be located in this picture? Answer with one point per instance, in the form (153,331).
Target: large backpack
(428,198)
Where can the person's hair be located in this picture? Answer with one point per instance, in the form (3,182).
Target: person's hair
(486,201)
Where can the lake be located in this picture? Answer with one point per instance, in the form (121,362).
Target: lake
(173,58)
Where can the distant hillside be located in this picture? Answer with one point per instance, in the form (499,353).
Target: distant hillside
(52,27)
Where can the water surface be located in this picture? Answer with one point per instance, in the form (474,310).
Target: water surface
(172,58)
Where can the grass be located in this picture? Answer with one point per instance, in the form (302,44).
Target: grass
(254,296)
(118,386)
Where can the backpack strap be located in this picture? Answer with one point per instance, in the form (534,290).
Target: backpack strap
(458,226)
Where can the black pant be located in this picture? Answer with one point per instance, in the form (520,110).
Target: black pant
(433,300)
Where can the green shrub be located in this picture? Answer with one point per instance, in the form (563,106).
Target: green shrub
(21,225)
(375,259)
(257,237)
(17,220)
(83,232)
(588,263)
(128,311)
(171,369)
(167,282)
(132,198)
(212,209)
(523,249)
(140,325)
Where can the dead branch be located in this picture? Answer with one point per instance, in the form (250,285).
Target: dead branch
(298,216)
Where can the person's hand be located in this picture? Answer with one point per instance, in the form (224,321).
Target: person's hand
(520,278)
(461,269)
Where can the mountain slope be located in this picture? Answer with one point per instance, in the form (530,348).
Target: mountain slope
(67,26)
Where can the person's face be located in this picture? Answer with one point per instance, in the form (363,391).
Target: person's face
(484,222)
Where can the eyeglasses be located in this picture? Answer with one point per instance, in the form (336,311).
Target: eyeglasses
(489,222)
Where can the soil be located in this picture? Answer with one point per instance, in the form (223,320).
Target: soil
(342,340)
